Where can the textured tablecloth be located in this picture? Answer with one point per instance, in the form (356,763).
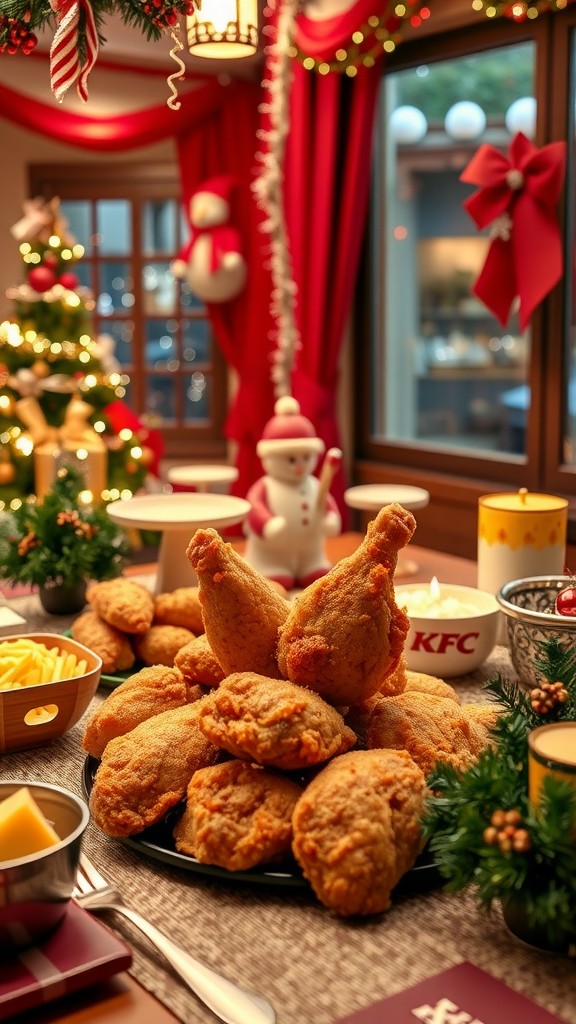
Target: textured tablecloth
(313,967)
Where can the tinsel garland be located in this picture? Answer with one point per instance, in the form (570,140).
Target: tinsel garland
(269,191)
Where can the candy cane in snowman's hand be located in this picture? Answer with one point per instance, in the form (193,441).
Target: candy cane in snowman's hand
(330,467)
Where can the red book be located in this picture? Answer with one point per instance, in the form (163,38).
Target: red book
(462,995)
(80,952)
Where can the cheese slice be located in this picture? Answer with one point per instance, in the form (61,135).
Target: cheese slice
(23,827)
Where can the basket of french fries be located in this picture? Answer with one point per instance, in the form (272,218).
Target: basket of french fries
(46,684)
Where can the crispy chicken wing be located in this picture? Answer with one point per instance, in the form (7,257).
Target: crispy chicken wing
(357,828)
(160,644)
(146,772)
(241,610)
(273,722)
(237,816)
(141,696)
(430,728)
(197,662)
(345,633)
(108,642)
(123,604)
(180,607)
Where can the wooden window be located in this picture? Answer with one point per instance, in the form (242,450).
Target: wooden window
(445,396)
(129,220)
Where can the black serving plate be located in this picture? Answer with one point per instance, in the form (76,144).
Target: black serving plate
(157,843)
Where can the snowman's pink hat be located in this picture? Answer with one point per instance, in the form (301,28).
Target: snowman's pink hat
(288,431)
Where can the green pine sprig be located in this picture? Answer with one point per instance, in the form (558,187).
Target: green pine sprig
(542,878)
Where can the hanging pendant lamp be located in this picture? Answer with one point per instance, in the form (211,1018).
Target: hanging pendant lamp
(223,29)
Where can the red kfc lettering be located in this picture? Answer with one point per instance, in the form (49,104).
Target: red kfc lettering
(438,643)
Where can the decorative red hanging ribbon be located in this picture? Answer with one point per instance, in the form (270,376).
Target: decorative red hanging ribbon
(65,67)
(518,195)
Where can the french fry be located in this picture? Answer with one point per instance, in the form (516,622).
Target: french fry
(27,662)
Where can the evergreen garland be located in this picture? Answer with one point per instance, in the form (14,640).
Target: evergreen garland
(534,863)
(150,18)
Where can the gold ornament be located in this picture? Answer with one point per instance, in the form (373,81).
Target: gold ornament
(40,368)
(7,473)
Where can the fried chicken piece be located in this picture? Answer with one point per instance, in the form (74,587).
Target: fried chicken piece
(106,641)
(146,772)
(141,696)
(484,714)
(197,662)
(430,728)
(181,607)
(273,722)
(430,684)
(357,718)
(160,644)
(345,633)
(237,816)
(123,604)
(357,828)
(241,610)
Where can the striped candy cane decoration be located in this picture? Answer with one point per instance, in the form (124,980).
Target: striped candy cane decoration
(65,66)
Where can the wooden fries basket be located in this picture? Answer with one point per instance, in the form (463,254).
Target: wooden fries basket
(34,715)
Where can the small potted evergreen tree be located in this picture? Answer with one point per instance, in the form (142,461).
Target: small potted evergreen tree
(60,544)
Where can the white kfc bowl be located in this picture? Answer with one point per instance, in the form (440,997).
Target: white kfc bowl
(452,628)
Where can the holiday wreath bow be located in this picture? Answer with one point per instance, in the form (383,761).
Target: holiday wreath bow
(76,24)
(517,196)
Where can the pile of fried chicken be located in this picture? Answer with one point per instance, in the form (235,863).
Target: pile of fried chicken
(288,728)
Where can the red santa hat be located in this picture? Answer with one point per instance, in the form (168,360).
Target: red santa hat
(288,431)
(221,186)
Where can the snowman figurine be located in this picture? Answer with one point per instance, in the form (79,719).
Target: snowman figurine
(290,514)
(212,262)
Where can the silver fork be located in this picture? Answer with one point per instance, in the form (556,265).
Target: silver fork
(230,1003)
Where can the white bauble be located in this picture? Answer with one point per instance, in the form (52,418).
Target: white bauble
(465,121)
(521,117)
(408,125)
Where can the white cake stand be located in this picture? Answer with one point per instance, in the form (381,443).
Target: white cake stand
(177,517)
(373,497)
(201,476)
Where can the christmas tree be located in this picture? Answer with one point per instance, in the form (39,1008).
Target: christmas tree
(60,400)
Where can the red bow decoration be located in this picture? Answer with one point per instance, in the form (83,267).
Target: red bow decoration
(65,68)
(518,195)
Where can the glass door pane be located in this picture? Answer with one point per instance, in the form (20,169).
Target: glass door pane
(446,372)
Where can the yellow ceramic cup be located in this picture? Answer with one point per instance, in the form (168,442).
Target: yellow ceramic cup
(551,751)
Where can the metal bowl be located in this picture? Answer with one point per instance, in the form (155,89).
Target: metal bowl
(531,620)
(36,889)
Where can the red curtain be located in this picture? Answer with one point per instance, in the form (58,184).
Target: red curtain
(226,145)
(327,181)
(120,131)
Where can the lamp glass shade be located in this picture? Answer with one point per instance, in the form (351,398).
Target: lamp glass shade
(223,29)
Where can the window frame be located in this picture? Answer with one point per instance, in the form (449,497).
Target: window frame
(456,478)
(138,183)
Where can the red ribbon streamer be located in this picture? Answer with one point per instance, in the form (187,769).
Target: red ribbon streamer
(517,195)
(65,67)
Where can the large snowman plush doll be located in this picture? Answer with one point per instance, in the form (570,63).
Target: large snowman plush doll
(212,260)
(290,516)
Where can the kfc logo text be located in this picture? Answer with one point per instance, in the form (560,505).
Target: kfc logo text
(438,643)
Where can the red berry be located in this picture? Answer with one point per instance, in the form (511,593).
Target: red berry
(566,602)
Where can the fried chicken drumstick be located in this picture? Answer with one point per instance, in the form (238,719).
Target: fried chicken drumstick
(345,633)
(241,609)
